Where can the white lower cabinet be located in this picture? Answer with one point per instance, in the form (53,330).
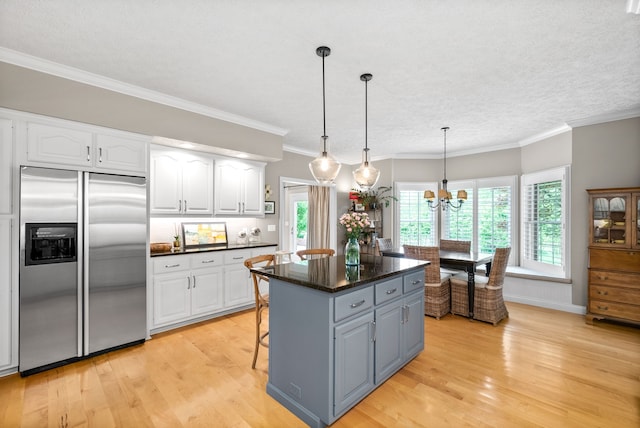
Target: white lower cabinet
(191,286)
(237,279)
(183,289)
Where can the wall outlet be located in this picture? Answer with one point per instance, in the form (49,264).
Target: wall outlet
(295,391)
(271,228)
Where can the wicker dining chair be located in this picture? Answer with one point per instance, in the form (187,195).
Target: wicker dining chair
(262,299)
(383,244)
(437,291)
(314,253)
(488,303)
(451,245)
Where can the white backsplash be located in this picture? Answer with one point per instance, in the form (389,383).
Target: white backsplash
(162,229)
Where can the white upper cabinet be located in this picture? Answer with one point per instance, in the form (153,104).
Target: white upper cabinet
(6,163)
(239,188)
(85,148)
(181,182)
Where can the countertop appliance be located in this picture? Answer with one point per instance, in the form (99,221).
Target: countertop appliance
(82,265)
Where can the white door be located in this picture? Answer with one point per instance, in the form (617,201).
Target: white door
(298,218)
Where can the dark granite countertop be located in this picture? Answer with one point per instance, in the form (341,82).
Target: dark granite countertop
(330,274)
(181,250)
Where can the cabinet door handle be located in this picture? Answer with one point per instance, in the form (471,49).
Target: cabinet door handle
(239,208)
(373,331)
(188,282)
(194,281)
(407,314)
(185,205)
(208,261)
(360,303)
(100,154)
(391,291)
(88,153)
(243,207)
(172,266)
(179,205)
(603,308)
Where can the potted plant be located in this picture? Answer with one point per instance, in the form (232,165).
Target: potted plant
(372,198)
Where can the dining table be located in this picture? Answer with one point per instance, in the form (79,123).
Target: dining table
(467,262)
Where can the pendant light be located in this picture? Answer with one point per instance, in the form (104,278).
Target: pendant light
(366,175)
(444,195)
(324,168)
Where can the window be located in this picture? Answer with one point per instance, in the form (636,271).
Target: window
(416,223)
(544,210)
(485,218)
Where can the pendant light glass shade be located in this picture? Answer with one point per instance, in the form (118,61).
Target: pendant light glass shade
(366,175)
(324,168)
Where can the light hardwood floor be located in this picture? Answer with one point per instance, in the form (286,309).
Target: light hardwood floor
(538,368)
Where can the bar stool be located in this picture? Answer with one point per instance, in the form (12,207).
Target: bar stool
(283,257)
(262,300)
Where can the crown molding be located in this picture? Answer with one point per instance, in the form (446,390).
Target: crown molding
(544,135)
(49,67)
(607,117)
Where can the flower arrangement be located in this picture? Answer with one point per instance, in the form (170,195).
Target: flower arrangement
(354,223)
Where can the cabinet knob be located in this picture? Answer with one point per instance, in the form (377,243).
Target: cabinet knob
(603,293)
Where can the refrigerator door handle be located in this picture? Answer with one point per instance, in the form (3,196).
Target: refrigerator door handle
(83,270)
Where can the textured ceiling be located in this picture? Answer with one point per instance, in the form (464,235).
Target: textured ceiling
(497,72)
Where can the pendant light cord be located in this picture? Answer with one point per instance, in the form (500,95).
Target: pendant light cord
(366,127)
(324,114)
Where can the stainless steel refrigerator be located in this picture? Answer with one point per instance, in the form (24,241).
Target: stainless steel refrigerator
(82,265)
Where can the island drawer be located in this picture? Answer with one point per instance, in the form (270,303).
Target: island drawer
(353,303)
(413,281)
(388,290)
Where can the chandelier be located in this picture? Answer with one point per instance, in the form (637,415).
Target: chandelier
(324,168)
(366,175)
(444,196)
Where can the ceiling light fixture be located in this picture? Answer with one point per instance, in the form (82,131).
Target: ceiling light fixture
(366,175)
(633,6)
(443,194)
(324,168)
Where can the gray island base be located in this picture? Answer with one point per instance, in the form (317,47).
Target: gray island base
(336,333)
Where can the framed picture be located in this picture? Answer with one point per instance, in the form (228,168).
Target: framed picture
(269,207)
(359,207)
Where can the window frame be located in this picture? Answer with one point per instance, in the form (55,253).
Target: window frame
(510,181)
(563,174)
(412,186)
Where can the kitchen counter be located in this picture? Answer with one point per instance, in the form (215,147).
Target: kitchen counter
(182,250)
(336,333)
(330,274)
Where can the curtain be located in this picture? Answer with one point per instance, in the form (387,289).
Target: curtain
(318,221)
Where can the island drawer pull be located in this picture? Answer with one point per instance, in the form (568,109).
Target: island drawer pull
(208,261)
(391,291)
(172,266)
(416,281)
(603,308)
(238,258)
(360,303)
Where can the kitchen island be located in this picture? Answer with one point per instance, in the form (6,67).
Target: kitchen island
(336,332)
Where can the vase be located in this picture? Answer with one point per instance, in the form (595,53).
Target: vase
(352,252)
